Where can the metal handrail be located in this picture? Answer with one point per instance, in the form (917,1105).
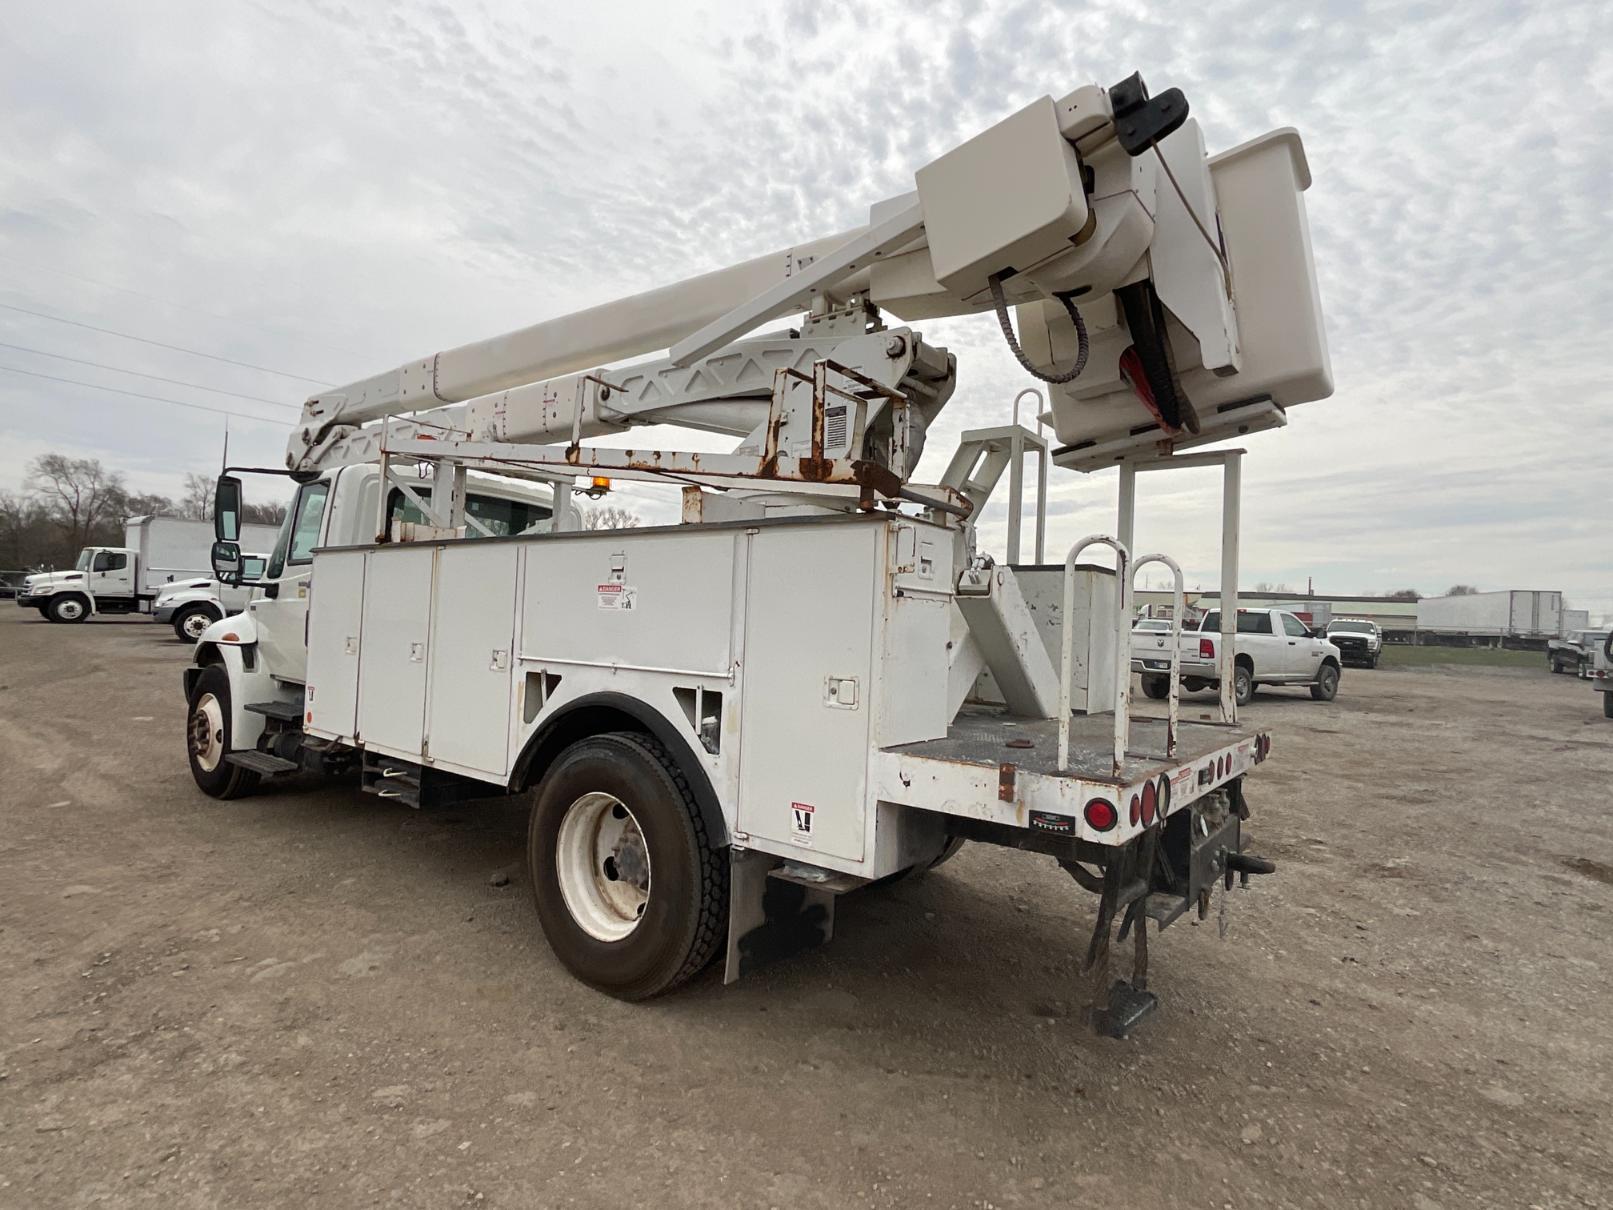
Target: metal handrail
(1122,648)
(1172,708)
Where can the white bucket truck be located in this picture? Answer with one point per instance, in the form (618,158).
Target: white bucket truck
(723,724)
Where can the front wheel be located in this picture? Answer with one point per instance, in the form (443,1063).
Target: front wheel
(630,891)
(1327,684)
(67,609)
(190,624)
(207,738)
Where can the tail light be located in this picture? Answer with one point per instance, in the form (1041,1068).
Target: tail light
(1206,649)
(1136,810)
(1101,815)
(1149,802)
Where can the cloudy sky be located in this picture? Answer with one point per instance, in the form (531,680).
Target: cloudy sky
(325,188)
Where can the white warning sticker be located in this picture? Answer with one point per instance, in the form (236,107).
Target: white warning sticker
(801,814)
(616,596)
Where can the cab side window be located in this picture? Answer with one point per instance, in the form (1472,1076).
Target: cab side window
(107,561)
(299,533)
(1294,627)
(305,529)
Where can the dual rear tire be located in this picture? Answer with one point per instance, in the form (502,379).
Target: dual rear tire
(630,890)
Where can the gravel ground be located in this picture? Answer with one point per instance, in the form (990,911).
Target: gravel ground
(313,998)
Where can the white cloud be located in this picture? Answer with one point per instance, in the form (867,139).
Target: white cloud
(331,187)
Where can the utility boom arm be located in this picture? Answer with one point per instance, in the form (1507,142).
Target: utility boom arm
(1148,277)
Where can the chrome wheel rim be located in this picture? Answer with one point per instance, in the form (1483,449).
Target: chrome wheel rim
(194,624)
(207,732)
(603,866)
(70,611)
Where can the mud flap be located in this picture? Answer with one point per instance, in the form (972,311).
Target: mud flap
(769,918)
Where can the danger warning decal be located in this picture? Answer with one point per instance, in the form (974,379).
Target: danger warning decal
(616,596)
(801,814)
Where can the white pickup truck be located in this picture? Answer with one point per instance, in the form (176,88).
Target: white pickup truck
(191,606)
(1273,648)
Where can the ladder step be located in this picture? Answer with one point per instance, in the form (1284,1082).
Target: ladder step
(816,877)
(285,712)
(265,763)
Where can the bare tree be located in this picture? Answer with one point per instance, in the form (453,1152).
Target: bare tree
(263,514)
(609,516)
(1405,594)
(1268,586)
(1461,590)
(78,494)
(196,504)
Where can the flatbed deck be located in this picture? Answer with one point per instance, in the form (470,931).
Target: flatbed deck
(983,769)
(982,737)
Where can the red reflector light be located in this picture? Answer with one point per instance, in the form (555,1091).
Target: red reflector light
(1101,815)
(1150,801)
(1136,810)
(1206,649)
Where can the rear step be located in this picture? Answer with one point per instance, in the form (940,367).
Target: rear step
(391,779)
(285,712)
(264,763)
(418,786)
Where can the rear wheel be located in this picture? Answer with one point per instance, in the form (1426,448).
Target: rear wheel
(1607,705)
(1157,687)
(190,623)
(207,738)
(67,609)
(1327,684)
(1243,684)
(631,894)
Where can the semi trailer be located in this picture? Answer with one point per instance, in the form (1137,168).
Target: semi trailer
(1523,617)
(722,725)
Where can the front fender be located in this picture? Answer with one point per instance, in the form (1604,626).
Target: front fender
(237,630)
(232,643)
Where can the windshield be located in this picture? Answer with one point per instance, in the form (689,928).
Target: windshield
(85,558)
(1350,628)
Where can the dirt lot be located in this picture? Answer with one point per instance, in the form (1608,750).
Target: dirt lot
(317,999)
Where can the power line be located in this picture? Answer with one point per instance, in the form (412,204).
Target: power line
(180,403)
(246,365)
(169,302)
(196,386)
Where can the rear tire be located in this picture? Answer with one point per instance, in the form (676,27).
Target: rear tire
(1607,705)
(1156,687)
(208,739)
(1327,684)
(1243,684)
(67,609)
(630,891)
(190,623)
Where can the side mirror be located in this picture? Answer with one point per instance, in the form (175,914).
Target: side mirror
(227,511)
(252,569)
(227,562)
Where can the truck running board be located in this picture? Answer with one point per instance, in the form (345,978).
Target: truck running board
(266,764)
(285,712)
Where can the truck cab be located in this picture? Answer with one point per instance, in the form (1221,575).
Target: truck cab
(102,580)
